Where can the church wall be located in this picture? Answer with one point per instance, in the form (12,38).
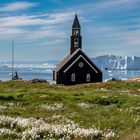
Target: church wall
(65,78)
(81,73)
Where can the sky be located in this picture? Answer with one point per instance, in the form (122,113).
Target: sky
(41,29)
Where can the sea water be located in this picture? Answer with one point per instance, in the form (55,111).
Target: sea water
(120,74)
(43,73)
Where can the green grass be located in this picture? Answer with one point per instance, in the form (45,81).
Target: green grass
(116,104)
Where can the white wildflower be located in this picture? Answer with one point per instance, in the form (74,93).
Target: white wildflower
(85,105)
(109,134)
(128,93)
(34,127)
(105,97)
(2,107)
(55,106)
(57,116)
(5,131)
(11,104)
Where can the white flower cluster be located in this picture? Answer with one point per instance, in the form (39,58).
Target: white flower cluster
(10,106)
(7,131)
(85,105)
(134,109)
(109,134)
(128,93)
(2,107)
(104,90)
(130,110)
(54,117)
(105,97)
(37,128)
(137,120)
(55,106)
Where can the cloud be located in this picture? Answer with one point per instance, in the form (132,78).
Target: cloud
(52,42)
(109,5)
(36,27)
(25,20)
(113,4)
(10,31)
(49,33)
(17,6)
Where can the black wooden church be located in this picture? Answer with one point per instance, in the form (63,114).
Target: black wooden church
(77,67)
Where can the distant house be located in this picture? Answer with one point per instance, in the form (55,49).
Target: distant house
(77,67)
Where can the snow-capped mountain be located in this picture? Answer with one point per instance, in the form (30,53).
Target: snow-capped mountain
(117,62)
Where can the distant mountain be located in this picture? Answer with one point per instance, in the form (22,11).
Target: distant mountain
(105,61)
(117,62)
(30,64)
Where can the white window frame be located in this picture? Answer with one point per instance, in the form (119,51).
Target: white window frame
(81,64)
(73,77)
(88,77)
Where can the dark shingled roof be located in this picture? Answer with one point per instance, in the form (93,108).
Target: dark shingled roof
(66,59)
(76,23)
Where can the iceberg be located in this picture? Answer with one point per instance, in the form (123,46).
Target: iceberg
(117,62)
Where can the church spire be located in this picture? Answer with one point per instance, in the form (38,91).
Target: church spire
(76,38)
(76,23)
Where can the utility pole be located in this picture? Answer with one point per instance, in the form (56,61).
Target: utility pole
(12,59)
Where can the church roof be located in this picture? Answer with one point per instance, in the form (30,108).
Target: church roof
(65,60)
(69,57)
(76,23)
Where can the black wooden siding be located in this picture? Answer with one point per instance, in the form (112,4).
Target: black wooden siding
(65,78)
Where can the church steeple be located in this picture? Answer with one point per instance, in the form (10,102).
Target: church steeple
(76,39)
(76,23)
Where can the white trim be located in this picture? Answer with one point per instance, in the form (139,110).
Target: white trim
(76,27)
(92,61)
(76,61)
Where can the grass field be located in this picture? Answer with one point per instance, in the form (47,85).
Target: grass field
(94,111)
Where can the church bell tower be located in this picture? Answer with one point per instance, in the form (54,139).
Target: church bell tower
(76,39)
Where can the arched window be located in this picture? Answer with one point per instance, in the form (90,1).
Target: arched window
(76,42)
(76,32)
(73,77)
(88,77)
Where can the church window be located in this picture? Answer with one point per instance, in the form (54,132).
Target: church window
(73,77)
(76,42)
(81,65)
(76,32)
(88,77)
